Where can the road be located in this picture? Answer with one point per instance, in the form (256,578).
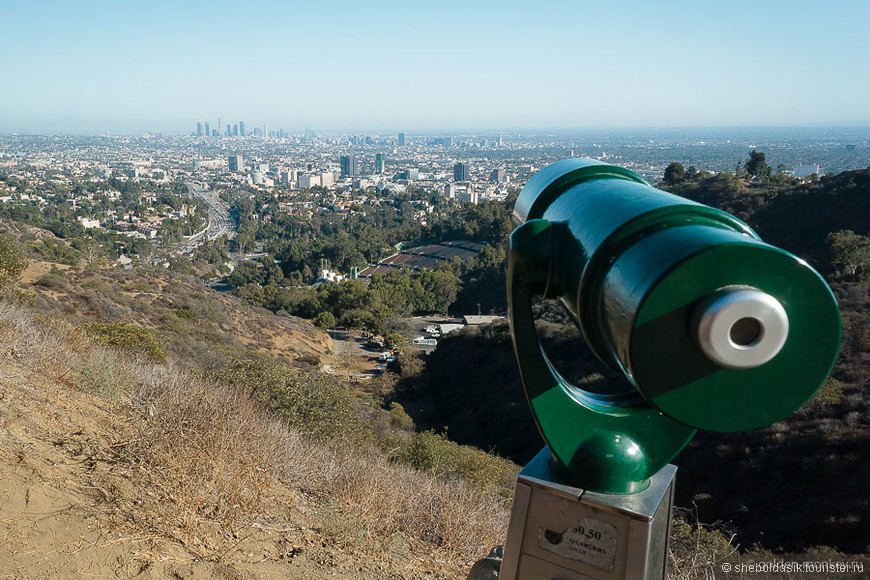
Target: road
(219,221)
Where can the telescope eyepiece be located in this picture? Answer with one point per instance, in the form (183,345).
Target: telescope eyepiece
(740,327)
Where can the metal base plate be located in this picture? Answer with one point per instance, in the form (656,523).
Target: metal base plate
(560,531)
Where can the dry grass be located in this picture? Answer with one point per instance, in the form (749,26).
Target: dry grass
(388,510)
(695,548)
(208,463)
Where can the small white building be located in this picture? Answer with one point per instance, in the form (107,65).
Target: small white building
(88,223)
(325,275)
(448,328)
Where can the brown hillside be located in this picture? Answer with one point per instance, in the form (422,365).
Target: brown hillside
(198,323)
(164,474)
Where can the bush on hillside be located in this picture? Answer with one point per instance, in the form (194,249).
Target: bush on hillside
(53,279)
(324,320)
(435,453)
(127,337)
(311,402)
(12,262)
(55,251)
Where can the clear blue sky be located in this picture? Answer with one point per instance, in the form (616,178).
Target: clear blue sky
(162,65)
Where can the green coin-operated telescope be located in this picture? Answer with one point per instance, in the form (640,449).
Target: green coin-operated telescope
(713,328)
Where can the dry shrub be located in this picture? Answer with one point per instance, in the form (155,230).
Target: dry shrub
(209,451)
(41,344)
(384,509)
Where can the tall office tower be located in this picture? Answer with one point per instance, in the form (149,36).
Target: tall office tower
(235,130)
(265,131)
(380,161)
(461,172)
(235,162)
(348,166)
(229,130)
(242,129)
(401,139)
(199,129)
(219,126)
(207,130)
(497,175)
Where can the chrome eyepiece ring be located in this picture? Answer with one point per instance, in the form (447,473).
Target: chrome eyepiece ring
(740,327)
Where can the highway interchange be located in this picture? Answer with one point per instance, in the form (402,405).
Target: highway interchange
(219,221)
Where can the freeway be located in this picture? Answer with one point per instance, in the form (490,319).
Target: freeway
(219,221)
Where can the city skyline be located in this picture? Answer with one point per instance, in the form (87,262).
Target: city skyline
(98,66)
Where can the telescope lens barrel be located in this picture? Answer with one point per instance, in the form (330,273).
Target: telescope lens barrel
(715,329)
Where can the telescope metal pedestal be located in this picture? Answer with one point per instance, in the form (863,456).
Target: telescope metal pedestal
(558,531)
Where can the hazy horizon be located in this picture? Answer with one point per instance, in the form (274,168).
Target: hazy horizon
(97,66)
(700,130)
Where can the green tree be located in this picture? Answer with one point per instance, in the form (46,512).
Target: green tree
(324,320)
(756,166)
(440,290)
(850,253)
(395,340)
(12,262)
(674,173)
(396,291)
